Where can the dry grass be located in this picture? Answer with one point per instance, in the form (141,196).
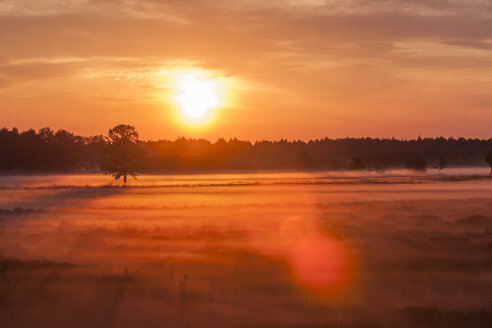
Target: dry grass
(221,256)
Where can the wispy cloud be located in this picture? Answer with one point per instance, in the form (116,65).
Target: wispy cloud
(116,8)
(311,57)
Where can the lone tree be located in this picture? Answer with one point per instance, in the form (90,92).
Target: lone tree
(121,157)
(488,158)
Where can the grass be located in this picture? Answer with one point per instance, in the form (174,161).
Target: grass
(195,258)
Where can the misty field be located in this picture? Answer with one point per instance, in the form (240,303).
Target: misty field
(247,250)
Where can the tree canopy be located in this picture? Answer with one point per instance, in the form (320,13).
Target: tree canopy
(121,156)
(488,158)
(62,151)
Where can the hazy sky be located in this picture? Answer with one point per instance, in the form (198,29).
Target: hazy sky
(289,68)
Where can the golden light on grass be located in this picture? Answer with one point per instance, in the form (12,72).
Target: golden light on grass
(197,94)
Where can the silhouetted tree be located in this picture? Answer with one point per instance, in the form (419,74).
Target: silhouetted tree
(357,164)
(304,161)
(61,151)
(121,156)
(442,162)
(416,164)
(488,158)
(330,163)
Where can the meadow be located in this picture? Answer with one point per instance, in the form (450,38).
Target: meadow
(395,249)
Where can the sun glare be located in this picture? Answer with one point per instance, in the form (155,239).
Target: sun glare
(197,95)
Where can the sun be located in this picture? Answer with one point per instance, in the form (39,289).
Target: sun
(197,95)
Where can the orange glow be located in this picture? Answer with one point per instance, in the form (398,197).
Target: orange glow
(321,264)
(334,72)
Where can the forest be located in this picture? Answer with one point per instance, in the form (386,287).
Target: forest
(62,151)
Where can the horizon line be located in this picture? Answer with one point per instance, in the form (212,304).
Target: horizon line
(290,140)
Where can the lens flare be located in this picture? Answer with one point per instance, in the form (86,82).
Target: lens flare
(321,263)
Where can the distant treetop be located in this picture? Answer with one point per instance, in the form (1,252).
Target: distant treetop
(121,153)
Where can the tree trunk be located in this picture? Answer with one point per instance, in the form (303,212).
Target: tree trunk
(124,178)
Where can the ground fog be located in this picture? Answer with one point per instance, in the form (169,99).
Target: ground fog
(247,250)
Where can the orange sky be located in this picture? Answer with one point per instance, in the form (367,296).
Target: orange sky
(290,68)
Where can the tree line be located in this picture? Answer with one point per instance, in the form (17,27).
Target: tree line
(62,151)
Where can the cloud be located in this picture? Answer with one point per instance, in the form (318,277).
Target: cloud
(116,8)
(11,74)
(414,7)
(470,43)
(342,55)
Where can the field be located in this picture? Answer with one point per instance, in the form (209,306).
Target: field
(247,250)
